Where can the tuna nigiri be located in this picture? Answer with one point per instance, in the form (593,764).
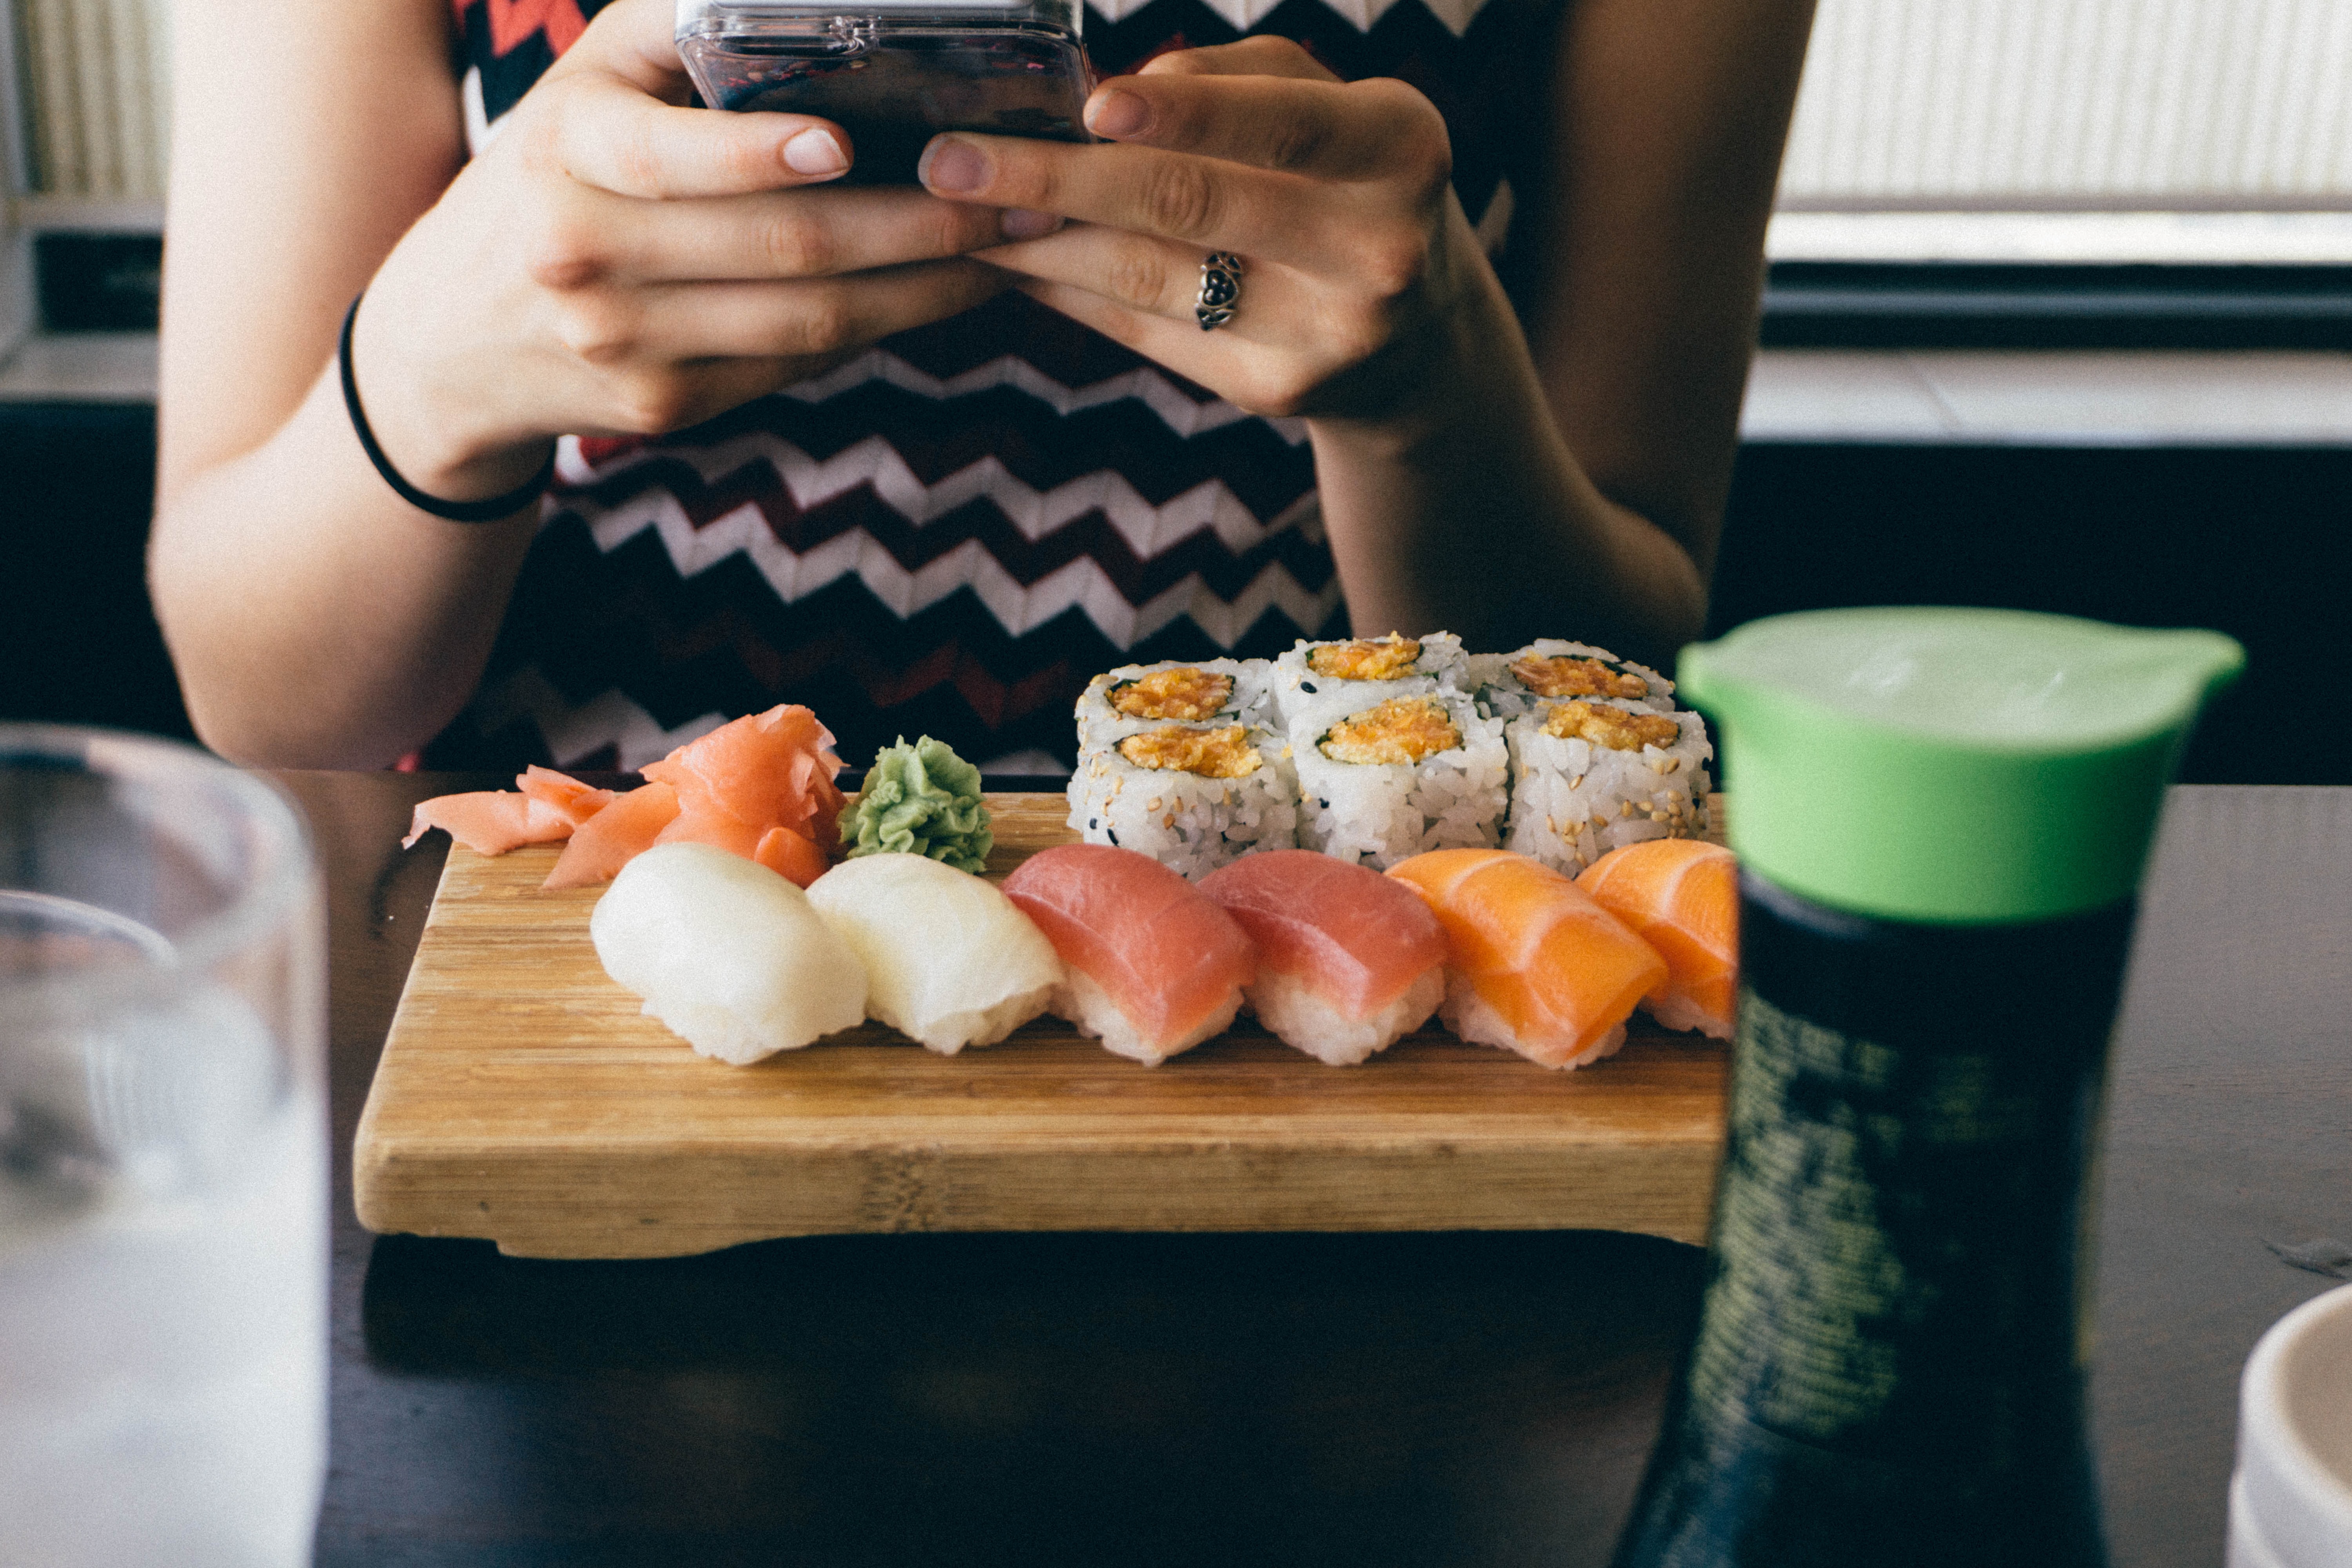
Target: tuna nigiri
(1682,897)
(1153,966)
(1347,960)
(1533,965)
(950,961)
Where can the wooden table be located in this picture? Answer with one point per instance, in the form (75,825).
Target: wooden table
(1368,1399)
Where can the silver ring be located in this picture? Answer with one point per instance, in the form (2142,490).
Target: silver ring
(1221,290)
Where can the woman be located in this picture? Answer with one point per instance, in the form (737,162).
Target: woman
(927,459)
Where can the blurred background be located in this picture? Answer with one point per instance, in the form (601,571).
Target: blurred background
(2059,315)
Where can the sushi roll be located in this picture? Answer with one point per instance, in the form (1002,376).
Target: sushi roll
(1151,965)
(1137,697)
(1552,670)
(1398,777)
(950,961)
(1348,960)
(1589,776)
(1191,796)
(1533,963)
(1330,678)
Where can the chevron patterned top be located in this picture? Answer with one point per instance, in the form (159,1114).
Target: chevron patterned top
(951,533)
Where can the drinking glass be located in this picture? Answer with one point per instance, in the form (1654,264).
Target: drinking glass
(162,1159)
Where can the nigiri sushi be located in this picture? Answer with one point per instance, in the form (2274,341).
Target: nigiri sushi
(1533,965)
(1682,897)
(729,954)
(1347,960)
(1153,965)
(950,961)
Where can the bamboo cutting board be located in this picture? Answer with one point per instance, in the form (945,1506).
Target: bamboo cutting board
(522,1097)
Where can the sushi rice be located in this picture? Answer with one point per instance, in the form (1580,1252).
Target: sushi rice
(1573,800)
(1190,823)
(1083,1000)
(1301,1017)
(1378,814)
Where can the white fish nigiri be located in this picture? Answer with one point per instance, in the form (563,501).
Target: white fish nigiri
(726,952)
(949,960)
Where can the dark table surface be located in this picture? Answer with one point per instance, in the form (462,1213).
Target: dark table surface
(1431,1400)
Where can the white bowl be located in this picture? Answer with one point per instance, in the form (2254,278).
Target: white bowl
(2291,1499)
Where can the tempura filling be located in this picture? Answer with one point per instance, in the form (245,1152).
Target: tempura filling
(1380,659)
(1565,677)
(1404,730)
(1224,753)
(1612,727)
(1186,694)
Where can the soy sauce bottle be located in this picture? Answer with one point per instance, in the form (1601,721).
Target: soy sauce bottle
(1942,817)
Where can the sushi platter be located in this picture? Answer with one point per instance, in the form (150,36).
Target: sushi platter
(524,1097)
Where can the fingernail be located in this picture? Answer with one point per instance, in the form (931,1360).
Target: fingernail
(1116,113)
(1020,223)
(815,152)
(951,166)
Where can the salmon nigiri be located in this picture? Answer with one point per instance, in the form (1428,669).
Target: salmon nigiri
(1348,961)
(1153,965)
(1533,965)
(1682,897)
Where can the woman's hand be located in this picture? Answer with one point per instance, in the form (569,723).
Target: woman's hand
(1362,285)
(616,263)
(612,262)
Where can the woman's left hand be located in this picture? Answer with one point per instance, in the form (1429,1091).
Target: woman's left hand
(1360,274)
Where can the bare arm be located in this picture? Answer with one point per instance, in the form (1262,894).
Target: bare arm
(294,177)
(613,263)
(1575,487)
(1565,479)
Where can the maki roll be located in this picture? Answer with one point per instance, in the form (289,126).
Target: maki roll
(1191,796)
(1137,697)
(1398,777)
(1552,670)
(1330,678)
(1589,776)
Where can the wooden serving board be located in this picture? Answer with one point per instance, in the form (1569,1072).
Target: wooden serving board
(524,1097)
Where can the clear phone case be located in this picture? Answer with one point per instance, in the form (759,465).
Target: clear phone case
(894,73)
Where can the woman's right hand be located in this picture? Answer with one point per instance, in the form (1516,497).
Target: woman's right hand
(615,263)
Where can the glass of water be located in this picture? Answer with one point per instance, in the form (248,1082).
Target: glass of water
(162,1159)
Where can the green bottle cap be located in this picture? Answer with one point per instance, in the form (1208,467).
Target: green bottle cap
(1950,765)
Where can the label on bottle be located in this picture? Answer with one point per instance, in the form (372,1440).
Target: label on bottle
(1859,1176)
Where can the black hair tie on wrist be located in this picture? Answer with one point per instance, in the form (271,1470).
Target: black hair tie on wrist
(488,510)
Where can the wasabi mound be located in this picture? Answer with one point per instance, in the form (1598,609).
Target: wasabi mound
(923,800)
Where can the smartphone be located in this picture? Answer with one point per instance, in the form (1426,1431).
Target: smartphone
(895,73)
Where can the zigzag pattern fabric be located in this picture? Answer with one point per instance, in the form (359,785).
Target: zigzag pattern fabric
(952,533)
